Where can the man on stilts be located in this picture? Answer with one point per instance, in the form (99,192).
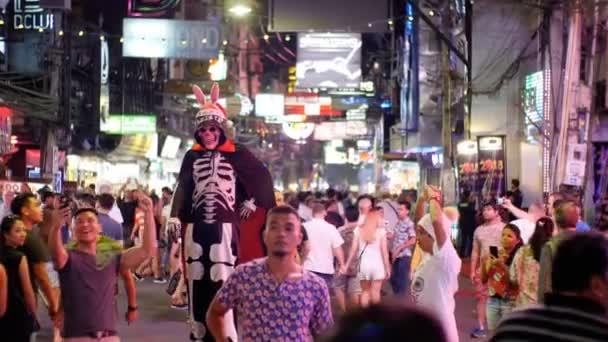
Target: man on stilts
(221,200)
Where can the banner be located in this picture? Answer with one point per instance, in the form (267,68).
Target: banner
(468,170)
(329,60)
(492,166)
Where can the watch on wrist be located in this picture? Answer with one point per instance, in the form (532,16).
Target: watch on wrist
(131,308)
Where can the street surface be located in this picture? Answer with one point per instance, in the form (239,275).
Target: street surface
(159,323)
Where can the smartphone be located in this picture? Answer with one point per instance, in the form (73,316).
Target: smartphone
(500,201)
(494,251)
(65,202)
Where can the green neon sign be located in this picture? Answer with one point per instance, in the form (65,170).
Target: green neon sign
(129,124)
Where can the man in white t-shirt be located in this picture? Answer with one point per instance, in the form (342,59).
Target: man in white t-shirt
(325,244)
(436,278)
(526,221)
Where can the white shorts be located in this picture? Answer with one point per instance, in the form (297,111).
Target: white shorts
(53,275)
(371,270)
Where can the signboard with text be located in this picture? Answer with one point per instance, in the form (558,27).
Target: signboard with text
(492,166)
(169,38)
(31,15)
(129,124)
(468,170)
(329,60)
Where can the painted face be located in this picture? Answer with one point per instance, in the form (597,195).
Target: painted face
(16,236)
(283,234)
(210,136)
(87,227)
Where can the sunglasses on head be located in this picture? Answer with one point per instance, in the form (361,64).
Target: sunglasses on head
(211,129)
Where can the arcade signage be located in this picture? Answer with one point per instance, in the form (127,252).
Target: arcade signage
(30,15)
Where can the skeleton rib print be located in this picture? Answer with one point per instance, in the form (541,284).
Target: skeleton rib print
(215,185)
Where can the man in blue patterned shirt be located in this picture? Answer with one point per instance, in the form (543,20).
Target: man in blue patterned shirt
(404,238)
(276,299)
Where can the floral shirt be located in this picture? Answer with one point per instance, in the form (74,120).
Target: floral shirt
(524,273)
(404,230)
(298,309)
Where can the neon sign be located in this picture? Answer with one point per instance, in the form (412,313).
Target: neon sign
(29,15)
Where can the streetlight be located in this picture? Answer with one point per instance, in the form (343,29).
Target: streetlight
(239,8)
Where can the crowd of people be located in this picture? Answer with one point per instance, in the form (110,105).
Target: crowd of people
(327,255)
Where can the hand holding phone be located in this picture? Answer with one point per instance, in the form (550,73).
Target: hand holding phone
(494,251)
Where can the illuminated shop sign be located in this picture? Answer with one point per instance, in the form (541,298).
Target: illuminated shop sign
(30,15)
(309,104)
(129,124)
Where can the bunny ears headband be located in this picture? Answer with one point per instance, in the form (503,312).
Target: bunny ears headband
(211,111)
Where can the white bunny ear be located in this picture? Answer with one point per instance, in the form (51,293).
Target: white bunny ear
(198,93)
(215,93)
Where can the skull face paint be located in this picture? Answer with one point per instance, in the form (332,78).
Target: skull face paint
(210,136)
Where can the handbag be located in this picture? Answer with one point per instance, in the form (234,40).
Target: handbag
(172,286)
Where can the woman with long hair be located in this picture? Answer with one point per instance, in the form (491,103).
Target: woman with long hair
(526,264)
(495,273)
(19,321)
(370,246)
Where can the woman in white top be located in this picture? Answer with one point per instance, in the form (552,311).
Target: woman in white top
(369,244)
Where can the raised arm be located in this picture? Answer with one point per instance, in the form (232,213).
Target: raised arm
(56,248)
(437,219)
(520,214)
(136,255)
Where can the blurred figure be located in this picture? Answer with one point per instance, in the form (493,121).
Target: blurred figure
(487,235)
(576,308)
(109,227)
(347,284)
(325,244)
(526,264)
(495,274)
(466,224)
(3,290)
(388,322)
(365,203)
(436,279)
(517,196)
(566,217)
(19,320)
(370,244)
(525,221)
(402,244)
(333,216)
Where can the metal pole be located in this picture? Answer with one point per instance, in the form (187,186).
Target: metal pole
(468,25)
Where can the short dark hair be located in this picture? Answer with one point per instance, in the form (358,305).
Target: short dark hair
(565,218)
(21,201)
(167,190)
(515,182)
(318,207)
(46,195)
(569,273)
(388,322)
(106,201)
(406,204)
(330,193)
(351,213)
(85,210)
(283,210)
(491,203)
(87,198)
(369,197)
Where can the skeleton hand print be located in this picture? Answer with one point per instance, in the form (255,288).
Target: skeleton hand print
(215,185)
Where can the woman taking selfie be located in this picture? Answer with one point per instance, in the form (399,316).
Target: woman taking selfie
(495,274)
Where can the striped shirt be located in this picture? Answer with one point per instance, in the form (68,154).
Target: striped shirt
(562,318)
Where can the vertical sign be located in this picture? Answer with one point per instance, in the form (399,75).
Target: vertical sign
(104,90)
(468,170)
(492,166)
(30,15)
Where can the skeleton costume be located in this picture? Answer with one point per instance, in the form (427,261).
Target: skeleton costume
(216,190)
